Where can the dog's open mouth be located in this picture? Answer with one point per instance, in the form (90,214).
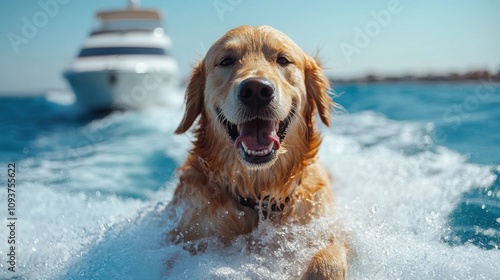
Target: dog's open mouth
(257,140)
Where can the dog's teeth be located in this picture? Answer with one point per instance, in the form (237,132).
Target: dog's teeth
(270,148)
(256,153)
(245,148)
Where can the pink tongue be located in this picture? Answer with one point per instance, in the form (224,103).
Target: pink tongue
(258,135)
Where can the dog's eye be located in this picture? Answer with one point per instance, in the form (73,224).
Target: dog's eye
(282,60)
(226,62)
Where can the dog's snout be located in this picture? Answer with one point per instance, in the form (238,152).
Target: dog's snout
(256,92)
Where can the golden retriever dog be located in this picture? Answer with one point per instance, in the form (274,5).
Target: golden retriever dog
(255,96)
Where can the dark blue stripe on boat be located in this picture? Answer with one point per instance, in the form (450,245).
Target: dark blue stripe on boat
(120,51)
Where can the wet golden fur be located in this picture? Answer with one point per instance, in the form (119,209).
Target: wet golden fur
(214,174)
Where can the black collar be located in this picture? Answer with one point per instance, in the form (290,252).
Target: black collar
(264,205)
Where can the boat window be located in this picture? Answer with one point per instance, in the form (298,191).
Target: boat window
(127,24)
(120,51)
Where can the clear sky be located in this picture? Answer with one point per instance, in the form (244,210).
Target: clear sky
(353,37)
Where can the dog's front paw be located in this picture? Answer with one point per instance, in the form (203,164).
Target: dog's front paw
(329,263)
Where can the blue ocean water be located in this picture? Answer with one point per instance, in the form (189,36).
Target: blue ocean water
(416,170)
(463,117)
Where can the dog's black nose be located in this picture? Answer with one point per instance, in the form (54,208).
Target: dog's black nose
(256,92)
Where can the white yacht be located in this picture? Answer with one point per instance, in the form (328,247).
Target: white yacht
(125,62)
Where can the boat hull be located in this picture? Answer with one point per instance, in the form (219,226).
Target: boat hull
(109,89)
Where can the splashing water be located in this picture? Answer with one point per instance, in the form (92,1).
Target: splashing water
(91,195)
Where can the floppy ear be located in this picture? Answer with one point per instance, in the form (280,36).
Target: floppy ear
(193,99)
(317,87)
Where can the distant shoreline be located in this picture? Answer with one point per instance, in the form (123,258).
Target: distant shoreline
(472,76)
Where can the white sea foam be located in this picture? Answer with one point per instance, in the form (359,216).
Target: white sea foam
(394,190)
